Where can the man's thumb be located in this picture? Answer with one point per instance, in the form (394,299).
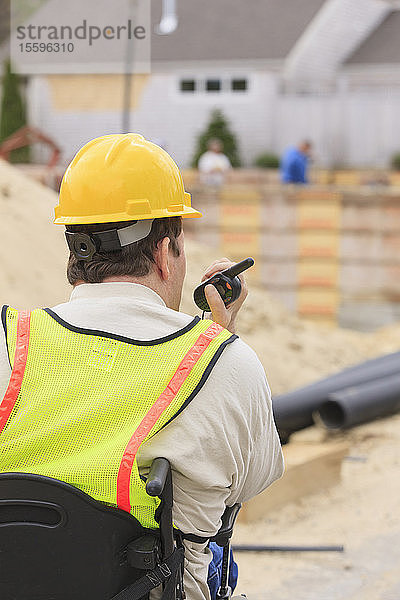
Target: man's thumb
(218,309)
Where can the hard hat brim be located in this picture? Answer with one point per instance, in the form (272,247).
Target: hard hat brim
(187,212)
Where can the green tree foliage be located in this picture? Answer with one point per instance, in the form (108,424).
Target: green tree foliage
(395,162)
(13,114)
(218,127)
(267,160)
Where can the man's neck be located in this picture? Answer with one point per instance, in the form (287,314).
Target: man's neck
(148,281)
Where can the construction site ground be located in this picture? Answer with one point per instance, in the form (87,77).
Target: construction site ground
(362,511)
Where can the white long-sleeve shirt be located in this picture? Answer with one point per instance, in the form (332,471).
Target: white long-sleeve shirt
(223,448)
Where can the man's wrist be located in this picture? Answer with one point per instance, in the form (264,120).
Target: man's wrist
(232,327)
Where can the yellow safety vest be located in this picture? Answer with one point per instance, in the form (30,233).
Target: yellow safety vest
(80,402)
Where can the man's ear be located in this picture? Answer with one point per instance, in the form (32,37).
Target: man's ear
(161,257)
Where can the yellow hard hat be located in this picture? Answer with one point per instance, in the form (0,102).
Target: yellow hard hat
(121,177)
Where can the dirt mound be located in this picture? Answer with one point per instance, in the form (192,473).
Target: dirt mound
(33,251)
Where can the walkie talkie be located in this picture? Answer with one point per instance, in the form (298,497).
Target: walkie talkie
(226,282)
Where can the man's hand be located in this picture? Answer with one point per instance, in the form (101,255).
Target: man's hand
(221,314)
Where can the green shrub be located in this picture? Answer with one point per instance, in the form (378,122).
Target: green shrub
(267,160)
(218,127)
(13,115)
(396,161)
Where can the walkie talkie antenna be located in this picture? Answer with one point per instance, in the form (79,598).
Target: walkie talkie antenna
(239,267)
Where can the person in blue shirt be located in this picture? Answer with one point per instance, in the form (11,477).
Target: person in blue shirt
(294,163)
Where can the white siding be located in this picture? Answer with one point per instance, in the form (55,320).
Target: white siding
(167,115)
(349,126)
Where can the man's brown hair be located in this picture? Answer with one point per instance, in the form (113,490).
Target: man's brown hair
(134,260)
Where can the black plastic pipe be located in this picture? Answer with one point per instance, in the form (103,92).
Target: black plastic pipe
(293,411)
(245,548)
(360,404)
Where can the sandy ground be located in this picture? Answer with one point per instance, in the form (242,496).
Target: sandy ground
(363,512)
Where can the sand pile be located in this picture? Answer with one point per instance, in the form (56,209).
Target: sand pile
(294,352)
(32,250)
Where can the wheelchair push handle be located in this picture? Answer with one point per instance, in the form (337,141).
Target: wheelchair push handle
(226,530)
(157,476)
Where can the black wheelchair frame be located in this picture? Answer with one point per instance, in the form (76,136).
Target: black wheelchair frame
(58,543)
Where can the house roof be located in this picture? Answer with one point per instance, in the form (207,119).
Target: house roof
(233,29)
(382,46)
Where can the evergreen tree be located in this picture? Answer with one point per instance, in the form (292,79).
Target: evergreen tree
(218,127)
(13,115)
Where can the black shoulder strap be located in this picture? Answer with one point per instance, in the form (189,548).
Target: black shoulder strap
(190,537)
(165,572)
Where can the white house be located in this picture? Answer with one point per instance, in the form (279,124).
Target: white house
(328,70)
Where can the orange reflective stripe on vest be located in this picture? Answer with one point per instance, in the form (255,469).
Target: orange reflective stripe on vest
(21,355)
(160,405)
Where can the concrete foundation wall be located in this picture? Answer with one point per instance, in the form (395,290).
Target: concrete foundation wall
(328,253)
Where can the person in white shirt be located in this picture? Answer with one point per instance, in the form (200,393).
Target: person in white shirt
(214,164)
(127,277)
